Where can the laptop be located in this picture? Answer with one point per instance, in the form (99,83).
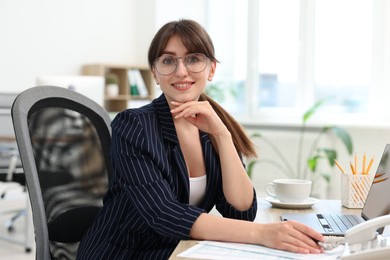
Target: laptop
(377,204)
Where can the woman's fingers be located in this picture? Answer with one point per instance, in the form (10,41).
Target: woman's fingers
(294,237)
(302,244)
(200,114)
(190,108)
(303,238)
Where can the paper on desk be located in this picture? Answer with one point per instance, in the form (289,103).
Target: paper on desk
(236,251)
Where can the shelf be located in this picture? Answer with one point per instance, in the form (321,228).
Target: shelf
(119,97)
(120,102)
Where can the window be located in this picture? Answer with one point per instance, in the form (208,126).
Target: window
(280,56)
(278,52)
(228,30)
(343,53)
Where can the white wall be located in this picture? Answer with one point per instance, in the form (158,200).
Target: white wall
(57,37)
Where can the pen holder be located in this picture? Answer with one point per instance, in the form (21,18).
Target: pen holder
(354,190)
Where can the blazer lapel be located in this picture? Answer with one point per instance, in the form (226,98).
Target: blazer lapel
(213,169)
(169,133)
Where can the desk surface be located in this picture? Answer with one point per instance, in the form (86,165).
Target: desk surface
(268,214)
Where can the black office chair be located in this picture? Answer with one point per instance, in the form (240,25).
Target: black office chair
(63,139)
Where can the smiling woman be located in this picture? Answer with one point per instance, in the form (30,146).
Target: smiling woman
(160,150)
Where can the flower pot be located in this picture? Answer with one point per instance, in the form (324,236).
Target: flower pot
(112,90)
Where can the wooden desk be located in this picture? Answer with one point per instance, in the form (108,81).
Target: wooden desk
(268,214)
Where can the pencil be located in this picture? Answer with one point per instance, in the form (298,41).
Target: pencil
(369,166)
(364,164)
(379,180)
(338,165)
(352,168)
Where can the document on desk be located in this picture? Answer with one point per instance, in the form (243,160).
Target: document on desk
(235,251)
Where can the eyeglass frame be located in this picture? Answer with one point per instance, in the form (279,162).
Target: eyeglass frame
(184,63)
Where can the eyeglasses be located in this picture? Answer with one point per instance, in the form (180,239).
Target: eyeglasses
(167,64)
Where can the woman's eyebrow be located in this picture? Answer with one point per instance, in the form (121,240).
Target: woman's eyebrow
(174,53)
(169,52)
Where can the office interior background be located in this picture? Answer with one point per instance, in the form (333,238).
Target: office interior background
(277,57)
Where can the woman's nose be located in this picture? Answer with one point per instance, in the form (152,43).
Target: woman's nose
(181,68)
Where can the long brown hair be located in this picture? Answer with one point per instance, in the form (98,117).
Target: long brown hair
(196,39)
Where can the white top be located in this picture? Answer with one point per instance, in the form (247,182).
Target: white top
(197,189)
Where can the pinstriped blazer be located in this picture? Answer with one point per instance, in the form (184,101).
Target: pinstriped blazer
(146,211)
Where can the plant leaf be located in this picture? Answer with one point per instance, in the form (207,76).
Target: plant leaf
(344,137)
(249,168)
(330,154)
(312,162)
(326,177)
(256,135)
(314,108)
(326,129)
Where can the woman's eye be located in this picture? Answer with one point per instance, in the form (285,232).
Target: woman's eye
(169,61)
(192,59)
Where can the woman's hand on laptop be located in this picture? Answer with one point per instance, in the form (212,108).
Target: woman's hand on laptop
(292,236)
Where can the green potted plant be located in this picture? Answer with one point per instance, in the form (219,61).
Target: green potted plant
(315,155)
(112,88)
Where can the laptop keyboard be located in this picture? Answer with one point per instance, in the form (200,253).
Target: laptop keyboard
(337,223)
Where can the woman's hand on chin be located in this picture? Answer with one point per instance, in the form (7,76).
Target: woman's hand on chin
(201,115)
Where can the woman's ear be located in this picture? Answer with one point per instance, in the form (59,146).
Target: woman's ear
(155,77)
(213,66)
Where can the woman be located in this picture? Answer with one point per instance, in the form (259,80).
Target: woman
(177,158)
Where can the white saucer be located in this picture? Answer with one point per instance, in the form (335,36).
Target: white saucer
(308,203)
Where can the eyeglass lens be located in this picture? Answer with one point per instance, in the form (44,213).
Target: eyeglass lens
(167,64)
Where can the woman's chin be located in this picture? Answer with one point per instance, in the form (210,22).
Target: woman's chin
(185,98)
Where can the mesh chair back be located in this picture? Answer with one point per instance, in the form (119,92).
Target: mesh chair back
(63,139)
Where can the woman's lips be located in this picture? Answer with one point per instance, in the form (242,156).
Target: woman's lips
(182,86)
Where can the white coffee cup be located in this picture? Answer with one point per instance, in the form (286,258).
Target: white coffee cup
(289,190)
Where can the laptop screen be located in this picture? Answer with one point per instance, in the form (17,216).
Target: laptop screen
(378,199)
